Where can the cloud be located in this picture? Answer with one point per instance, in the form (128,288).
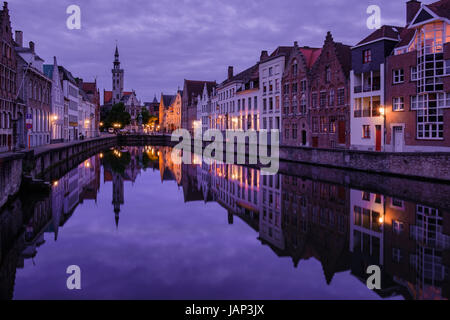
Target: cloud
(163,42)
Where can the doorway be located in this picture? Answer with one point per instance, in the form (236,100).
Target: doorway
(398,138)
(378,138)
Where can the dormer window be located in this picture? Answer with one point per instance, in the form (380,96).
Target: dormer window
(367,56)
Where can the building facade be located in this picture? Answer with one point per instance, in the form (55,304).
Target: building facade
(367,88)
(191,90)
(11,117)
(271,69)
(296,91)
(35,92)
(237,101)
(418,82)
(58,116)
(330,95)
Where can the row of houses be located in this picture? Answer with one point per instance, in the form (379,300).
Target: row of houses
(40,103)
(389,92)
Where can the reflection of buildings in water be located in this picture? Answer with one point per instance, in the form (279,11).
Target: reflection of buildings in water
(168,169)
(117,198)
(270,211)
(315,223)
(409,241)
(131,172)
(24,222)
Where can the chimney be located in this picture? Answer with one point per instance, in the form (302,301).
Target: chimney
(230,72)
(19,38)
(32,46)
(264,55)
(412,7)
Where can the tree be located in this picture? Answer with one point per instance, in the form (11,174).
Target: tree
(145,115)
(117,115)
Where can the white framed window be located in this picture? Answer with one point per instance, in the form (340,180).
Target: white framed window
(413,73)
(398,104)
(399,76)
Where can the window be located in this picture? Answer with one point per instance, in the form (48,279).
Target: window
(397,226)
(447,63)
(303,84)
(331,98)
(398,104)
(270,71)
(327,74)
(366,131)
(399,76)
(413,73)
(314,100)
(367,56)
(396,255)
(294,131)
(341,97)
(294,68)
(323,99)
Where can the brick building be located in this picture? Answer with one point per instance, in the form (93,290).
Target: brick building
(10,116)
(296,91)
(418,81)
(330,95)
(191,90)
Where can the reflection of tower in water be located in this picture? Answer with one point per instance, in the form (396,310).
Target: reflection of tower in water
(117,195)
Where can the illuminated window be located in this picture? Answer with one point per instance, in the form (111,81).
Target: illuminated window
(366,131)
(367,56)
(398,104)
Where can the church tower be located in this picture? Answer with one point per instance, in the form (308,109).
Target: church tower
(117,79)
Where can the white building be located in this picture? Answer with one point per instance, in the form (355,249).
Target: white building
(271,70)
(204,108)
(71,102)
(237,101)
(58,128)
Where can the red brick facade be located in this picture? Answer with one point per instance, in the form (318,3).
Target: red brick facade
(295,100)
(329,97)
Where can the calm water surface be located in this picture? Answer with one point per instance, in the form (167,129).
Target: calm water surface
(141,227)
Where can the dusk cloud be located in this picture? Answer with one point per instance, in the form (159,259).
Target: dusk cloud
(163,42)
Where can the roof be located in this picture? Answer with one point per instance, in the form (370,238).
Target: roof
(344,56)
(89,87)
(280,51)
(167,99)
(385,31)
(107,96)
(67,75)
(245,76)
(440,8)
(194,88)
(311,55)
(405,37)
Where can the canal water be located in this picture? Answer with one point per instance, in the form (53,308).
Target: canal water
(142,227)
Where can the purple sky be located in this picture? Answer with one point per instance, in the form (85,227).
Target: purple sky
(163,42)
